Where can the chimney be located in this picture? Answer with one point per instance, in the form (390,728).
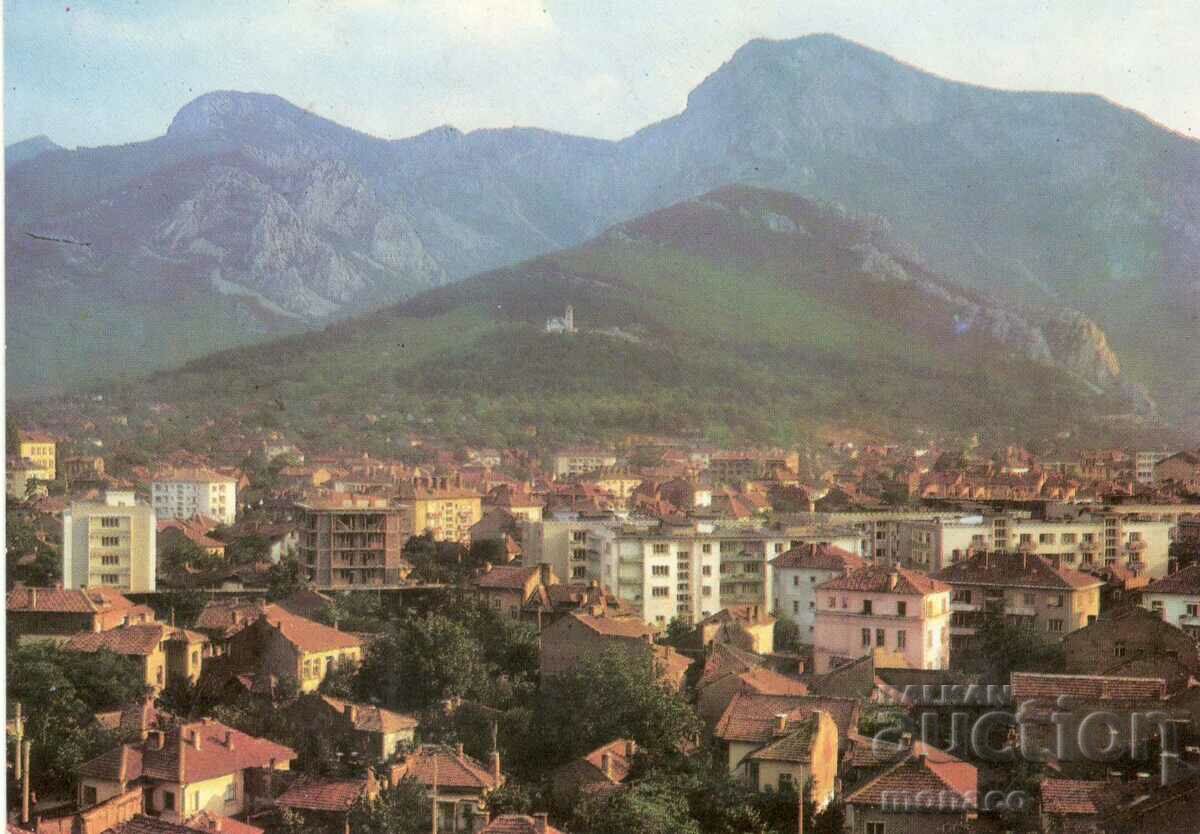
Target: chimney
(496,765)
(458,749)
(781,722)
(540,822)
(606,765)
(544,573)
(630,749)
(196,738)
(893,580)
(229,739)
(33,597)
(487,567)
(352,712)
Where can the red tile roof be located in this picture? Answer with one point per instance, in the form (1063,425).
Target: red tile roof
(308,635)
(818,557)
(1015,570)
(315,793)
(951,780)
(1027,685)
(752,717)
(66,601)
(518,824)
(631,627)
(453,771)
(1186,581)
(877,579)
(228,617)
(505,577)
(1071,796)
(749,614)
(373,719)
(217,824)
(128,640)
(619,756)
(222,751)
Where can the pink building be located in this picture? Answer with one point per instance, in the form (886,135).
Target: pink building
(900,616)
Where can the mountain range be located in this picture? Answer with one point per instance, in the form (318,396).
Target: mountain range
(251,217)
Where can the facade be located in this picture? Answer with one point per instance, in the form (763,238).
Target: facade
(1183,467)
(576,637)
(162,652)
(194,767)
(110,543)
(1144,463)
(748,627)
(1176,598)
(377,734)
(602,770)
(931,544)
(1114,641)
(351,541)
(42,450)
(445,512)
(183,493)
(509,588)
(798,572)
(899,616)
(1141,542)
(458,785)
(569,462)
(927,791)
(1023,589)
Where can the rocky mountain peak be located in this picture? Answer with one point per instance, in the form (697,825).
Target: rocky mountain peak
(226,110)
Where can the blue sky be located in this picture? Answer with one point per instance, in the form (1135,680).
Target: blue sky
(94,73)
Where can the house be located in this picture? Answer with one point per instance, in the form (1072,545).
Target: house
(520,824)
(1176,598)
(748,627)
(1082,806)
(555,601)
(284,645)
(714,694)
(161,651)
(58,613)
(578,461)
(518,504)
(133,719)
(194,767)
(1022,588)
(458,784)
(1113,641)
(578,636)
(20,476)
(377,734)
(123,814)
(798,571)
(221,619)
(599,772)
(41,449)
(1183,467)
(321,799)
(195,531)
(926,791)
(899,615)
(775,742)
(508,588)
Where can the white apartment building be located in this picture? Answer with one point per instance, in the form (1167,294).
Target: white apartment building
(931,544)
(797,574)
(1101,538)
(899,616)
(568,462)
(1176,598)
(184,493)
(110,543)
(1143,465)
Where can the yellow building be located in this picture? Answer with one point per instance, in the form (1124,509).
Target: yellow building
(111,543)
(285,645)
(161,651)
(42,449)
(200,766)
(446,512)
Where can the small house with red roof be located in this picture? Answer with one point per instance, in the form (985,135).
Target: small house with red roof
(161,651)
(194,767)
(507,589)
(926,791)
(284,645)
(458,784)
(538,823)
(598,773)
(58,613)
(577,636)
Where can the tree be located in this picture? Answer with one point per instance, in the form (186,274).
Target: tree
(286,578)
(787,633)
(647,808)
(1000,648)
(402,809)
(28,558)
(677,632)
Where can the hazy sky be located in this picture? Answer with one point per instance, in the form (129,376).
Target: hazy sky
(93,73)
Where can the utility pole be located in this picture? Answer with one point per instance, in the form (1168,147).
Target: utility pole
(25,783)
(435,781)
(19,736)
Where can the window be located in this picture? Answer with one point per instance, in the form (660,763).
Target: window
(1028,600)
(660,548)
(866,637)
(706,548)
(706,591)
(963,596)
(1069,538)
(110,560)
(706,570)
(1026,538)
(89,795)
(833,602)
(660,570)
(110,541)
(579,572)
(230,793)
(901,609)
(876,828)
(880,637)
(1192,609)
(795,580)
(1054,626)
(901,639)
(660,591)
(785,781)
(1119,648)
(778,547)
(795,606)
(866,609)
(109,578)
(1157,607)
(1046,538)
(1057,601)
(168,801)
(110,521)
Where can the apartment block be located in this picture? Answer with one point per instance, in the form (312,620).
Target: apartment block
(578,461)
(183,493)
(1143,465)
(798,572)
(42,450)
(931,544)
(110,543)
(349,541)
(442,509)
(1021,588)
(1140,542)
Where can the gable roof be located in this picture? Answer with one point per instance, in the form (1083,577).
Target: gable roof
(795,744)
(372,719)
(818,557)
(505,577)
(1015,570)
(518,824)
(131,640)
(741,614)
(453,770)
(308,635)
(1027,685)
(628,627)
(67,600)
(1071,796)
(316,793)
(752,717)
(954,781)
(878,579)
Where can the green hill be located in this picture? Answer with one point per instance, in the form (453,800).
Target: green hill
(745,313)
